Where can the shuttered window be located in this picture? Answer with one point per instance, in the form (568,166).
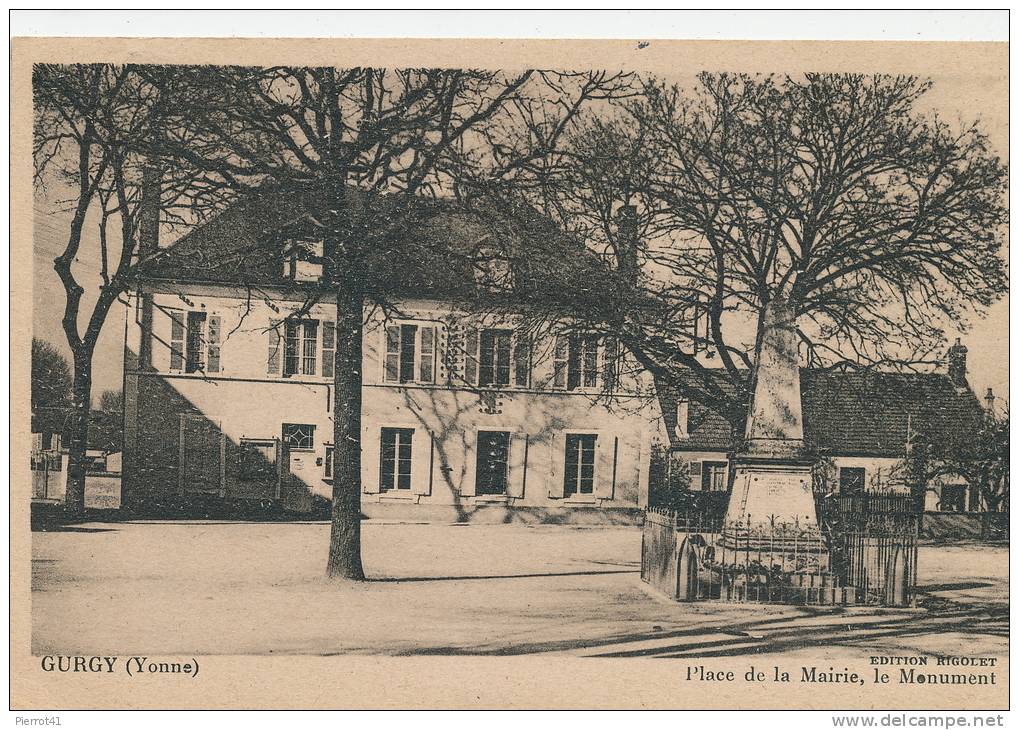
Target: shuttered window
(576,362)
(410,354)
(713,476)
(492,472)
(300,347)
(494,360)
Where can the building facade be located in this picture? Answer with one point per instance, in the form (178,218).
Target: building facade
(228,395)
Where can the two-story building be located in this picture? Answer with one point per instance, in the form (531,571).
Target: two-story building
(466,412)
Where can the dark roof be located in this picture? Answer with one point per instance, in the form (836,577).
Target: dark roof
(865,413)
(430,248)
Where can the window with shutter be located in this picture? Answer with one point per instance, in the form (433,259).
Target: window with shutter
(494,357)
(300,347)
(576,362)
(492,470)
(411,353)
(328,348)
(214,364)
(713,476)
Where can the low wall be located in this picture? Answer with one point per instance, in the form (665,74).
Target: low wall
(954,526)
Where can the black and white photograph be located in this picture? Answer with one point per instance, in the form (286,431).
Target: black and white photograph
(639,360)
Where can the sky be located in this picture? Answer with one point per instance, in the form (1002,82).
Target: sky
(965,95)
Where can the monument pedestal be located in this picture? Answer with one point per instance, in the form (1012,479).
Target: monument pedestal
(771,517)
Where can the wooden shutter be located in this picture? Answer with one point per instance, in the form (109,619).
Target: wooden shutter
(605,452)
(176,339)
(521,360)
(328,348)
(421,462)
(426,355)
(273,363)
(517,477)
(391,367)
(556,458)
(214,363)
(468,486)
(610,364)
(471,355)
(561,361)
(371,466)
(629,454)
(451,355)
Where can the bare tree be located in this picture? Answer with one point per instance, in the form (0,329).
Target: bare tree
(876,223)
(371,143)
(94,129)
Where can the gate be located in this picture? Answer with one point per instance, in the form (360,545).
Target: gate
(256,472)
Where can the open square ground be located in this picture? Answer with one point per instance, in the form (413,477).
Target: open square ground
(259,588)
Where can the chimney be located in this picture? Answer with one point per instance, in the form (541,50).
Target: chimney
(148,228)
(148,244)
(626,242)
(989,401)
(957,364)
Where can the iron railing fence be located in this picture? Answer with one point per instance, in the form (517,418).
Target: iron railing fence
(865,557)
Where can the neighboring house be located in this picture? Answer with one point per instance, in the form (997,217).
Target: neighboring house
(228,382)
(862,421)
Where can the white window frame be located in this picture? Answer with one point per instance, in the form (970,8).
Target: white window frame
(396,489)
(600,364)
(421,326)
(579,496)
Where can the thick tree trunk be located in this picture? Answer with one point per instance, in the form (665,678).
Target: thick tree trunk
(345,537)
(74,497)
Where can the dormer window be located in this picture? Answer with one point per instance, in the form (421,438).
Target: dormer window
(302,260)
(493,270)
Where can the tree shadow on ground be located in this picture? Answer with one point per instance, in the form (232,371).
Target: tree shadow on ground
(806,628)
(497,577)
